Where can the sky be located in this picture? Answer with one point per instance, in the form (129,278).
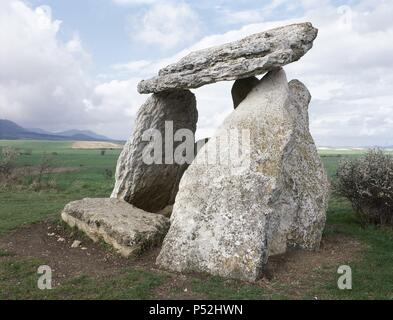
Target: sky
(68,64)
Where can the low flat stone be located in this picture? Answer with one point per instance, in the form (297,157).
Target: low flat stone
(253,55)
(128,229)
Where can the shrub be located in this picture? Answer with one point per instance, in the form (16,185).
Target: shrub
(45,167)
(41,179)
(36,178)
(367,182)
(108,173)
(8,158)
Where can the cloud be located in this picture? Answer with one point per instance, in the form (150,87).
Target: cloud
(38,75)
(231,16)
(133,2)
(166,25)
(44,81)
(132,67)
(244,16)
(349,73)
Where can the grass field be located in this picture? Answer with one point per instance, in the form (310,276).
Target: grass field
(84,173)
(86,177)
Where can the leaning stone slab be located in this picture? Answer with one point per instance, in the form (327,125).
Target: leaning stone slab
(128,229)
(303,200)
(153,186)
(253,55)
(261,195)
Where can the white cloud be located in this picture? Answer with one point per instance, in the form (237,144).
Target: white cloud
(244,16)
(133,2)
(38,75)
(117,99)
(166,25)
(132,67)
(349,73)
(231,16)
(43,81)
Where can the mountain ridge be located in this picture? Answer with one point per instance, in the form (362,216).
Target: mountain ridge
(10,130)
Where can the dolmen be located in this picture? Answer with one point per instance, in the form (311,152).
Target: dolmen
(221,205)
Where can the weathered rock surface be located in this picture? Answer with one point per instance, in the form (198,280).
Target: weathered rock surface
(152,187)
(199,145)
(253,55)
(241,88)
(229,216)
(128,229)
(305,177)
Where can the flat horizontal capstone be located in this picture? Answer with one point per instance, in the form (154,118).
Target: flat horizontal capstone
(251,56)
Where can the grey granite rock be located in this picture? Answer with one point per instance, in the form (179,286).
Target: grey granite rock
(128,229)
(305,176)
(152,187)
(253,55)
(259,197)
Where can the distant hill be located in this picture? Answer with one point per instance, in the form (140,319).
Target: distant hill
(86,133)
(349,148)
(11,131)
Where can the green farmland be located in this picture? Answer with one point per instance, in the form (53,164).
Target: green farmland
(79,173)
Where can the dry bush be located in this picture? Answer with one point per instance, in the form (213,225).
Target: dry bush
(41,179)
(108,173)
(37,178)
(8,157)
(367,182)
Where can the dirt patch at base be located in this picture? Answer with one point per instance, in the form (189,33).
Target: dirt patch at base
(51,242)
(300,270)
(295,274)
(96,145)
(292,273)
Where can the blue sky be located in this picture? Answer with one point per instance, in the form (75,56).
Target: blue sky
(104,25)
(101,25)
(75,64)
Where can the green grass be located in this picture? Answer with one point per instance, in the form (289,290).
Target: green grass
(217,288)
(18,280)
(372,274)
(4,253)
(85,178)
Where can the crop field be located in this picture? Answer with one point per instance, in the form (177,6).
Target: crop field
(31,235)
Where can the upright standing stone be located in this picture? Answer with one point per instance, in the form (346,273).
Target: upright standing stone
(152,187)
(229,216)
(305,176)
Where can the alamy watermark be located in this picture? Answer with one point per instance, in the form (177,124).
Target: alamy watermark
(45,280)
(344,282)
(345,21)
(230,148)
